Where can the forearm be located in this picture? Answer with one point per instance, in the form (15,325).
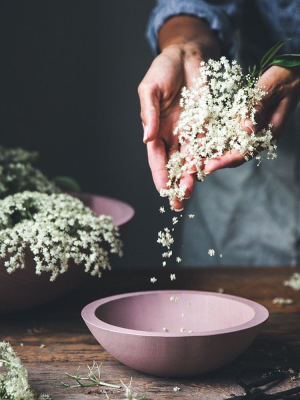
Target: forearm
(192,35)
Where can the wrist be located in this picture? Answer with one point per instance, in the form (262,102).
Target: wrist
(189,35)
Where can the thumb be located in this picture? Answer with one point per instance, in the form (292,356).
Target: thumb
(256,121)
(150,111)
(253,124)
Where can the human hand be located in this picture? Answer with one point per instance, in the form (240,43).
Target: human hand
(159,93)
(283,94)
(185,42)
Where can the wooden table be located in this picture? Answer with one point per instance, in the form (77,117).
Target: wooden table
(68,343)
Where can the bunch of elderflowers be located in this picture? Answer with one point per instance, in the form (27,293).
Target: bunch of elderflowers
(210,123)
(14,380)
(18,174)
(56,228)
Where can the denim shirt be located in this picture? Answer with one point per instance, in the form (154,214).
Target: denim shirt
(249,214)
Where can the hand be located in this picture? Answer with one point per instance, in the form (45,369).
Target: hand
(160,92)
(283,94)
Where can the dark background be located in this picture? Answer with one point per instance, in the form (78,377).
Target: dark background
(69,77)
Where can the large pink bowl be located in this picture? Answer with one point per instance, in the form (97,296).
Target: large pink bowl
(24,289)
(175,333)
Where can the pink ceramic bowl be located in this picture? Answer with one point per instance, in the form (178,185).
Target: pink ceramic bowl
(175,333)
(30,290)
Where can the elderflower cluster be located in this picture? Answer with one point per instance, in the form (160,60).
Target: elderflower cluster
(14,377)
(166,240)
(17,173)
(210,123)
(293,281)
(56,229)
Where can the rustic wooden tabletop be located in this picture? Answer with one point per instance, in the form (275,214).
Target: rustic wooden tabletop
(53,339)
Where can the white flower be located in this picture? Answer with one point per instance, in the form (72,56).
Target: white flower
(172,277)
(164,263)
(211,252)
(153,280)
(191,216)
(209,124)
(14,377)
(178,259)
(162,210)
(56,228)
(175,220)
(176,389)
(174,298)
(282,302)
(293,281)
(165,238)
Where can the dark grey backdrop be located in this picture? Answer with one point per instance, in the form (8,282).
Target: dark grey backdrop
(69,76)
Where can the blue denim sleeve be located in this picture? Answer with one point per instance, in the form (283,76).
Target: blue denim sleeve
(222,16)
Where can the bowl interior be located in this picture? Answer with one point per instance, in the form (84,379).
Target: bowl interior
(182,312)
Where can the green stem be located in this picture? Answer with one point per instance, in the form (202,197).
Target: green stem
(95,382)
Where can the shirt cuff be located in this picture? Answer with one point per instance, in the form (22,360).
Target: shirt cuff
(213,15)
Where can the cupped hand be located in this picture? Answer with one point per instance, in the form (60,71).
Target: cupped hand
(159,94)
(282,86)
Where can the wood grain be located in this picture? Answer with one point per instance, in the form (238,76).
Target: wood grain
(69,344)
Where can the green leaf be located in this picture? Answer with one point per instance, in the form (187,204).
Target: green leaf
(287,60)
(271,53)
(67,183)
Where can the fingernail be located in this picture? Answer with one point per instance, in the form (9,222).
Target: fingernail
(146,129)
(249,125)
(178,209)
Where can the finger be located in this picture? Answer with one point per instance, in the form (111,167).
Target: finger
(188,181)
(251,126)
(157,158)
(270,97)
(230,159)
(150,110)
(279,117)
(178,205)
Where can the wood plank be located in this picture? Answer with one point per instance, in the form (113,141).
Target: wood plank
(69,344)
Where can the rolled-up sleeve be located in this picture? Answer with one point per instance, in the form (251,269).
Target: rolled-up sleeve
(222,16)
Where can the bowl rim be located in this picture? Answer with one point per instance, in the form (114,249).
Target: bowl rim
(123,220)
(261,314)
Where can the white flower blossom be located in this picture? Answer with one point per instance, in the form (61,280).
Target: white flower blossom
(153,279)
(210,122)
(191,216)
(165,238)
(293,281)
(175,220)
(56,229)
(282,302)
(172,277)
(14,383)
(176,389)
(17,173)
(162,210)
(167,254)
(178,259)
(211,252)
